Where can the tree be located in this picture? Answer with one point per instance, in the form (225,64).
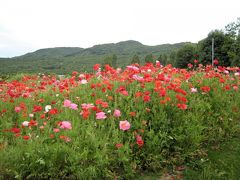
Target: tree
(111,60)
(223,46)
(149,58)
(185,55)
(232,31)
(135,59)
(172,58)
(236,59)
(163,58)
(233,28)
(114,60)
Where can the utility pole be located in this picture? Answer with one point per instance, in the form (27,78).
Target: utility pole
(212,51)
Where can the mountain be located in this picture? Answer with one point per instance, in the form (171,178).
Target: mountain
(67,59)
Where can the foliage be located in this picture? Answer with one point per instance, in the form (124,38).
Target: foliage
(135,59)
(65,60)
(111,60)
(163,58)
(149,58)
(226,46)
(222,162)
(114,123)
(185,55)
(222,44)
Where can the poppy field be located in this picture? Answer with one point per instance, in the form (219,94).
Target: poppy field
(115,123)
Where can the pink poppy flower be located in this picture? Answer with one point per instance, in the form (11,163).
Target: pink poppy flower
(101,115)
(124,125)
(67,103)
(17,109)
(117,113)
(73,106)
(66,125)
(83,81)
(193,90)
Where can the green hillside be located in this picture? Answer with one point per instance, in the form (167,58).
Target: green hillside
(67,59)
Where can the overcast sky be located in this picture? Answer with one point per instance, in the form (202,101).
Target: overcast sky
(28,25)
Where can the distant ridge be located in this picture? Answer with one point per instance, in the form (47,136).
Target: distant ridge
(66,59)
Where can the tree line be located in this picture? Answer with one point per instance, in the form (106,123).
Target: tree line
(226,50)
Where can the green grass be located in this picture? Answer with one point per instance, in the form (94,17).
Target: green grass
(222,162)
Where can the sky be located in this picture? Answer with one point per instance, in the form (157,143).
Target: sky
(28,25)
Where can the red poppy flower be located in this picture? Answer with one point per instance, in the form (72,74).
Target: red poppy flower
(26,137)
(96,67)
(182,106)
(119,145)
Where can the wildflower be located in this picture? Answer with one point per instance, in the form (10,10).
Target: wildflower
(226,72)
(158,64)
(53,111)
(83,81)
(205,89)
(235,88)
(96,67)
(74,73)
(15,130)
(119,70)
(67,103)
(85,113)
(32,123)
(65,125)
(82,76)
(26,137)
(17,109)
(25,123)
(181,98)
(117,113)
(132,114)
(104,104)
(190,65)
(124,125)
(146,98)
(134,68)
(193,90)
(56,130)
(31,115)
(182,106)
(47,108)
(42,116)
(119,145)
(37,108)
(139,141)
(51,136)
(73,106)
(101,115)
(215,62)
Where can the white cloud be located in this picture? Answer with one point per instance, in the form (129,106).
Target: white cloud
(51,23)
